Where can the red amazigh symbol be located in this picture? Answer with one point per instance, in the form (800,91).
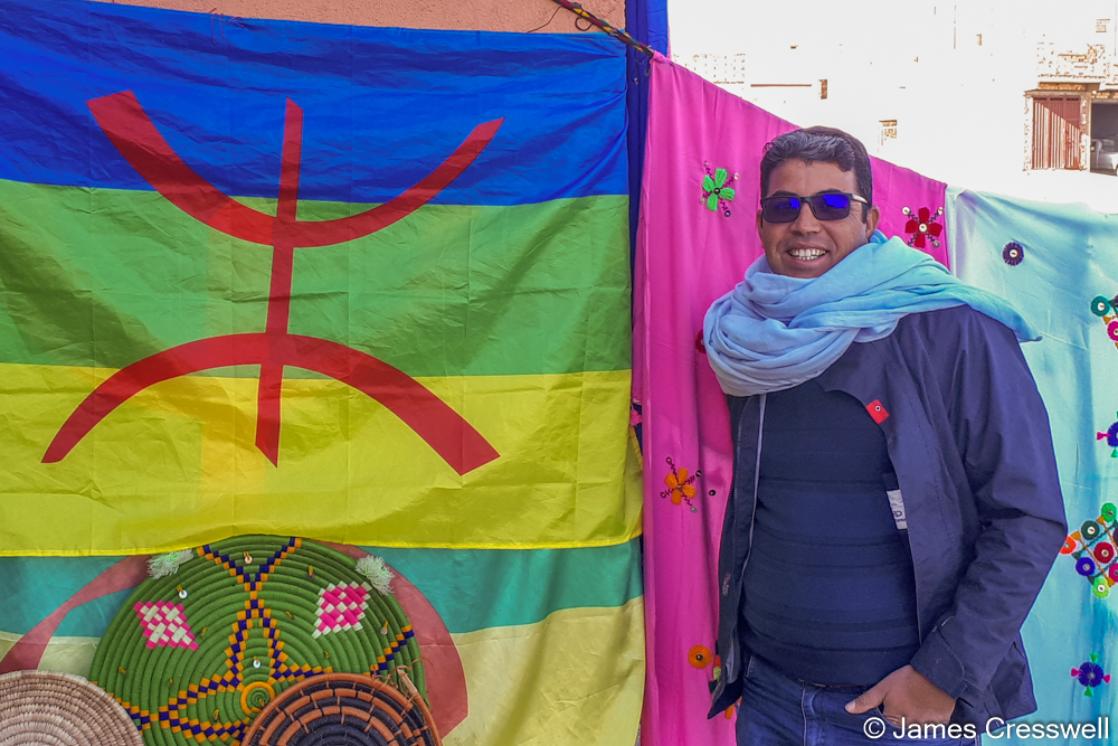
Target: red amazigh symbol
(128,127)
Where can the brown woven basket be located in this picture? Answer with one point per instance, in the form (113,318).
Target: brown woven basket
(38,707)
(350,709)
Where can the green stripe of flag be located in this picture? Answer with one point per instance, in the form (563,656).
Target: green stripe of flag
(105,277)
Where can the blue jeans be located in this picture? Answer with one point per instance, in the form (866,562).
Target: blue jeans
(776,710)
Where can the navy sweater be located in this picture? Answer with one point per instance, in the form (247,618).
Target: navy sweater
(829,592)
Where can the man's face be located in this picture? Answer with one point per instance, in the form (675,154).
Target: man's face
(808,247)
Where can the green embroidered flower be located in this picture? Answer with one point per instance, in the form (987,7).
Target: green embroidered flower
(715,191)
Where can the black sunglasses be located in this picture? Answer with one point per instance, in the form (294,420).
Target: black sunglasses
(785,208)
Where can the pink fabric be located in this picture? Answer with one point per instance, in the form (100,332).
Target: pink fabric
(687,255)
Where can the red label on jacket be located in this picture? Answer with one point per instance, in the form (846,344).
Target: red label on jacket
(877,411)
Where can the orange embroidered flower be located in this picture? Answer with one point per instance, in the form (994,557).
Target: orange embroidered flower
(680,487)
(699,656)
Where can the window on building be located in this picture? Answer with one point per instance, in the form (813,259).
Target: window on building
(888,130)
(1101,25)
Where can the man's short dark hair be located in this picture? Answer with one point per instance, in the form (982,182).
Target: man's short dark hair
(823,144)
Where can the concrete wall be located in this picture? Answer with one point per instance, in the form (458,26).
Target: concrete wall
(493,15)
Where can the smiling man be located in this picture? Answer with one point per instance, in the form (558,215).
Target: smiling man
(806,244)
(895,507)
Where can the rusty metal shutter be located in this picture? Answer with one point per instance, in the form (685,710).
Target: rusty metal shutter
(1057,132)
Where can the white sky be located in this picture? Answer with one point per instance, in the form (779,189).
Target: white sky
(959,100)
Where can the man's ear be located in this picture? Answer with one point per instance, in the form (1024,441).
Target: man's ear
(872,216)
(759,221)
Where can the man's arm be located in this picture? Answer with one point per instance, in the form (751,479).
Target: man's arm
(1002,430)
(1003,435)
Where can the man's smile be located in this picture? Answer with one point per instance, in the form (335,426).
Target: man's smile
(807,254)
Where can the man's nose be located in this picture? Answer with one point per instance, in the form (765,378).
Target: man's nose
(805,222)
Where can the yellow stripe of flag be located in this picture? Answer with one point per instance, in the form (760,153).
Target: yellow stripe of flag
(176,466)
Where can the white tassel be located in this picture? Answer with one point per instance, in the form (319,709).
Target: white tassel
(162,565)
(375,569)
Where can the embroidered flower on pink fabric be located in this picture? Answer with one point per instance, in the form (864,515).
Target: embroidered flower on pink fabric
(922,227)
(716,194)
(681,485)
(699,656)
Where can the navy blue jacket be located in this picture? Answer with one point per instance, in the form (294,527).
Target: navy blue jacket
(969,439)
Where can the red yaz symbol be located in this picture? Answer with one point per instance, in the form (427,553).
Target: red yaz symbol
(128,126)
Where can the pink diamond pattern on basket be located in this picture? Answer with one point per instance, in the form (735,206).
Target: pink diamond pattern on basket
(340,608)
(165,625)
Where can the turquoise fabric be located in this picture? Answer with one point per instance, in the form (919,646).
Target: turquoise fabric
(773,332)
(1069,256)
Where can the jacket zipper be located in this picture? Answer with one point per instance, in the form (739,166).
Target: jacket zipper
(915,588)
(756,481)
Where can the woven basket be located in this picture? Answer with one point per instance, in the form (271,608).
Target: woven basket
(37,707)
(341,709)
(196,655)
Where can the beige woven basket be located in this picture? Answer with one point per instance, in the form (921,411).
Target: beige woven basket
(39,708)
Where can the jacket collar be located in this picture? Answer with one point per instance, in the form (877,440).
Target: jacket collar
(858,372)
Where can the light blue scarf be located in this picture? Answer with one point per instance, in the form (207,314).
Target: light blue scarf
(773,332)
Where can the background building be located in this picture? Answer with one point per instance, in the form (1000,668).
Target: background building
(988,94)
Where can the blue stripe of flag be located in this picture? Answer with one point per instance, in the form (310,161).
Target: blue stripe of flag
(381,106)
